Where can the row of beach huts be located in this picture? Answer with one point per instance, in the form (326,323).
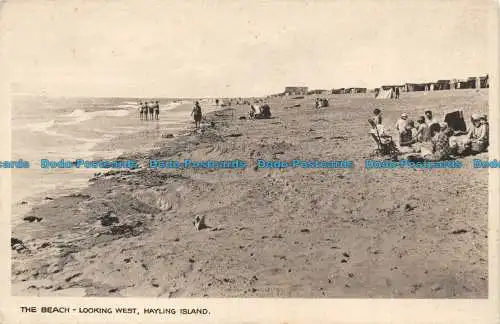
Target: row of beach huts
(452,84)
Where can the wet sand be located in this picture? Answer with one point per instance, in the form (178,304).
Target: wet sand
(294,233)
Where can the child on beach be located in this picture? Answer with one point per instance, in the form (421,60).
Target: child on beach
(401,126)
(421,129)
(413,130)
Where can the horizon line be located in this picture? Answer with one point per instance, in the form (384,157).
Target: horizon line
(44,94)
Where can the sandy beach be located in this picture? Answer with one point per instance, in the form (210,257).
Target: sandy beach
(86,128)
(351,233)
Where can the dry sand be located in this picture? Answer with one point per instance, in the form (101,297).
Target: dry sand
(294,233)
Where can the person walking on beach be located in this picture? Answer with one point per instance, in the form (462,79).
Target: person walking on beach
(196,113)
(157,110)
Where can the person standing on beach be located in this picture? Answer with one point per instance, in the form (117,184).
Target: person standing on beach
(145,110)
(157,110)
(397,93)
(151,109)
(139,103)
(196,113)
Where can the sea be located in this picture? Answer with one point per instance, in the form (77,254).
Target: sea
(81,128)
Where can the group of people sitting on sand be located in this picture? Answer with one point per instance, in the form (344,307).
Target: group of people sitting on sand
(321,102)
(152,107)
(264,111)
(432,139)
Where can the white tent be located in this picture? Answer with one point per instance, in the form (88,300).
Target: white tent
(385,94)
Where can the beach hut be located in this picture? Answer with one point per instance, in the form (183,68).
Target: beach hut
(338,91)
(317,91)
(442,85)
(296,90)
(358,90)
(393,87)
(410,87)
(472,83)
(484,81)
(469,83)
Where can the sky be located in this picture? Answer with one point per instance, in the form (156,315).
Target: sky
(238,48)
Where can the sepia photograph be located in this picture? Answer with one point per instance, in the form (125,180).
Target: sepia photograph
(267,149)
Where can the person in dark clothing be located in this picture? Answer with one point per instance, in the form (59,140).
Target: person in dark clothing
(157,110)
(196,113)
(151,109)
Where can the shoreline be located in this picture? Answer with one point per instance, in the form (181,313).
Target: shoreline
(184,136)
(184,128)
(176,128)
(298,233)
